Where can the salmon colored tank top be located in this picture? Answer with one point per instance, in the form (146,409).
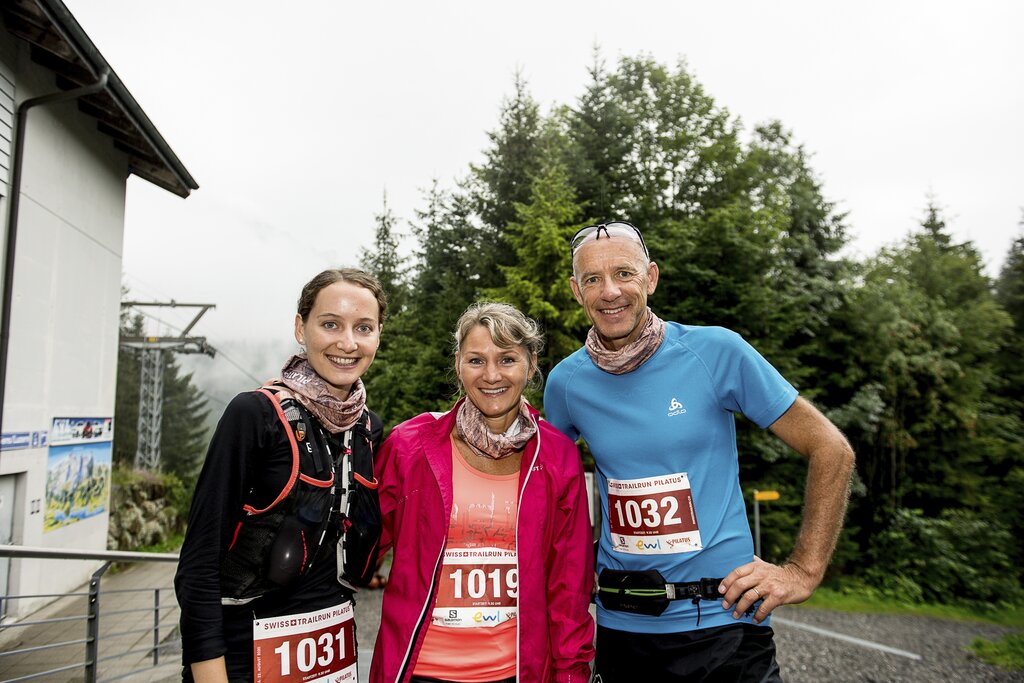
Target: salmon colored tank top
(472,631)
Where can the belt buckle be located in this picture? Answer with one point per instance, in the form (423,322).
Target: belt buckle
(709,588)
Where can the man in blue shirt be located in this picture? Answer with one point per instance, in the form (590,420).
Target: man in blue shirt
(681,595)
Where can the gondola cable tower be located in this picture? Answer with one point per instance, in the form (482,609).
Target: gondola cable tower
(151,351)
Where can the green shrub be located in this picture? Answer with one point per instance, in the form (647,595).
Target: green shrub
(960,556)
(1007,653)
(148,509)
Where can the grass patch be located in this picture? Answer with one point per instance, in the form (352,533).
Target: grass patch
(1007,653)
(856,600)
(169,545)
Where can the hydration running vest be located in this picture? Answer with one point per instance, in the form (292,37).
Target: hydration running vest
(331,485)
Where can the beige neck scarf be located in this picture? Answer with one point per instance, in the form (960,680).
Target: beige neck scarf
(310,389)
(632,355)
(472,428)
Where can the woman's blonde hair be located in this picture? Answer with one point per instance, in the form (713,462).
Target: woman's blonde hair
(506,324)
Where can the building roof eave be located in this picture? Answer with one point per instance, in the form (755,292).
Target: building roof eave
(61,44)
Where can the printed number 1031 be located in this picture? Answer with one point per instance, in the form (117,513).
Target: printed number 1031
(310,652)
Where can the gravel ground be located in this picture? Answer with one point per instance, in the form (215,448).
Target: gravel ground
(811,658)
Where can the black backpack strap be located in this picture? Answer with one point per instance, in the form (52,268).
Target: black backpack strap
(358,549)
(310,445)
(292,442)
(361,454)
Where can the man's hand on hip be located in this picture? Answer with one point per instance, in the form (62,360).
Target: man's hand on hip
(771,584)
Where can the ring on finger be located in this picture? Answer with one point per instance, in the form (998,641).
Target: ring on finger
(756,592)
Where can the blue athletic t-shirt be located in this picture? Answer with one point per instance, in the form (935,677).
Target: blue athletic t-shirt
(664,440)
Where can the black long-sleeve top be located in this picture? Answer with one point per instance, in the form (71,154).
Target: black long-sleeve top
(249,461)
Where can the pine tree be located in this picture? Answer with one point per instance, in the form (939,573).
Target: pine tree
(928,330)
(1001,426)
(1010,295)
(599,132)
(538,282)
(1010,286)
(512,160)
(413,371)
(126,397)
(807,277)
(493,188)
(383,260)
(183,432)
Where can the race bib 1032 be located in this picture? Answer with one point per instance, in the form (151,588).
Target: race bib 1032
(652,516)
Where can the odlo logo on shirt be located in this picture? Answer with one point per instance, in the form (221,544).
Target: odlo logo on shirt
(675,408)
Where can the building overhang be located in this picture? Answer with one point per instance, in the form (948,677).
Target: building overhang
(58,43)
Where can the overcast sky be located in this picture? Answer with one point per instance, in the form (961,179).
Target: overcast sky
(296,117)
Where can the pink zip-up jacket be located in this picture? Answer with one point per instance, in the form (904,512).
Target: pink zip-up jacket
(555,631)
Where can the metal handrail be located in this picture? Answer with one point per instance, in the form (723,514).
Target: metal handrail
(37,648)
(76,554)
(92,617)
(56,620)
(135,610)
(44,595)
(69,667)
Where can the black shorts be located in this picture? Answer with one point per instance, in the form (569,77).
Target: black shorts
(740,652)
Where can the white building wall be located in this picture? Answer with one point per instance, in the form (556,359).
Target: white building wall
(62,358)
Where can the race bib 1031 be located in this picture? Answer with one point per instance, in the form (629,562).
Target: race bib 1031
(306,648)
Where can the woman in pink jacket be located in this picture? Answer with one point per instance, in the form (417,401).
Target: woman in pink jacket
(486,509)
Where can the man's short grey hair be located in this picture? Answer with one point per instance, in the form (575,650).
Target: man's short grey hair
(644,258)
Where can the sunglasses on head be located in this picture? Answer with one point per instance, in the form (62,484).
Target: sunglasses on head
(612,229)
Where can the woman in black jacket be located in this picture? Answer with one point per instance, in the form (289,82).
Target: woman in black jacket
(285,518)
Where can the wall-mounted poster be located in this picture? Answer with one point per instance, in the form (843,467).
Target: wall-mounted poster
(78,470)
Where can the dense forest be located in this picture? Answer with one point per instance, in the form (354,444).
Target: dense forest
(915,352)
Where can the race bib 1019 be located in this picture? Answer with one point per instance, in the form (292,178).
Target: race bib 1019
(479,588)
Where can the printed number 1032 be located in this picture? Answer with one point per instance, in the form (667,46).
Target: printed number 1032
(646,513)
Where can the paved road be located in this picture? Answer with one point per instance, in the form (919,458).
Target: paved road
(126,611)
(807,657)
(367,621)
(810,658)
